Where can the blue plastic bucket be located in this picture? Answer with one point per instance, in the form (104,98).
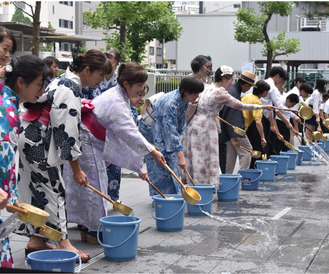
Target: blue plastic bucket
(169,213)
(207,196)
(268,168)
(250,178)
(120,237)
(299,157)
(307,156)
(229,186)
(55,260)
(292,158)
(282,160)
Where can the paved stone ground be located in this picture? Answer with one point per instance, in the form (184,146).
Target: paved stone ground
(281,228)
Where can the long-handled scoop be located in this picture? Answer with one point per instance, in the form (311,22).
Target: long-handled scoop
(305,112)
(189,194)
(237,130)
(317,135)
(152,185)
(289,145)
(30,214)
(254,153)
(116,205)
(188,174)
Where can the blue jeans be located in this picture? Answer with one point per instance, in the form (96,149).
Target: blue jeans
(114,179)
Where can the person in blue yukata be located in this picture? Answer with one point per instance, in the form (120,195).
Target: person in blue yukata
(169,114)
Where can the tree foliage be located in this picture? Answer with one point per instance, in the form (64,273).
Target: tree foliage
(34,13)
(252,28)
(18,16)
(315,9)
(135,23)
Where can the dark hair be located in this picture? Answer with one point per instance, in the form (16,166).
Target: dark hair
(300,79)
(198,62)
(307,88)
(94,59)
(116,55)
(320,83)
(6,33)
(191,84)
(109,57)
(293,98)
(29,67)
(325,96)
(132,73)
(279,70)
(219,77)
(49,61)
(262,86)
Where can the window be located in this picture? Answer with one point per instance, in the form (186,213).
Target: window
(65,24)
(67,3)
(236,6)
(151,50)
(65,46)
(53,9)
(159,51)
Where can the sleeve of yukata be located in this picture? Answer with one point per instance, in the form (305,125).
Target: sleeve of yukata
(125,146)
(65,118)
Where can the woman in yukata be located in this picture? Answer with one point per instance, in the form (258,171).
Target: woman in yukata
(109,135)
(169,114)
(200,140)
(25,78)
(49,139)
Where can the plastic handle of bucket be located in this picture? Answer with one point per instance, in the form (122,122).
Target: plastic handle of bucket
(114,246)
(79,267)
(213,198)
(166,219)
(26,265)
(237,181)
(261,173)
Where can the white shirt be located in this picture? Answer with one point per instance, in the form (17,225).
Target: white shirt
(295,90)
(284,103)
(273,98)
(326,107)
(315,100)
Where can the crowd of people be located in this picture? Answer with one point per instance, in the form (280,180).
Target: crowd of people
(81,128)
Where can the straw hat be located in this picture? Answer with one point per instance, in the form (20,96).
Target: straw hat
(248,77)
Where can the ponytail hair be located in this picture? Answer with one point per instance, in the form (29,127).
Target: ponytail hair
(29,67)
(131,73)
(94,59)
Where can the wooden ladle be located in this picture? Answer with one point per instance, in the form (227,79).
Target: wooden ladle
(152,185)
(188,174)
(189,194)
(254,153)
(237,130)
(116,205)
(30,214)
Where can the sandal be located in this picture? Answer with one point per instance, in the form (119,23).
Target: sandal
(83,231)
(92,237)
(84,256)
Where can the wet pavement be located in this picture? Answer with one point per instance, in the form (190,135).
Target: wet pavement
(282,227)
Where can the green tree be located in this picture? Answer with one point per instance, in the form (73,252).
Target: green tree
(135,23)
(18,16)
(252,28)
(34,13)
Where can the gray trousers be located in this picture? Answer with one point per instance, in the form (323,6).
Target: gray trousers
(233,152)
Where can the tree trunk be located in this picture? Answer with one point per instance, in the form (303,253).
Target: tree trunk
(36,29)
(268,46)
(123,30)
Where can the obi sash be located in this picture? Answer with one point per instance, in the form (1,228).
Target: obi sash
(90,120)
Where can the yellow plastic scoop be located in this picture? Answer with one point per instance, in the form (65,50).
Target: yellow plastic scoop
(254,153)
(237,130)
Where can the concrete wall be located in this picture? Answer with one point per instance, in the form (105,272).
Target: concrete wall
(210,35)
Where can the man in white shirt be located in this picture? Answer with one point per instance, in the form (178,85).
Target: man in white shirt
(288,102)
(277,78)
